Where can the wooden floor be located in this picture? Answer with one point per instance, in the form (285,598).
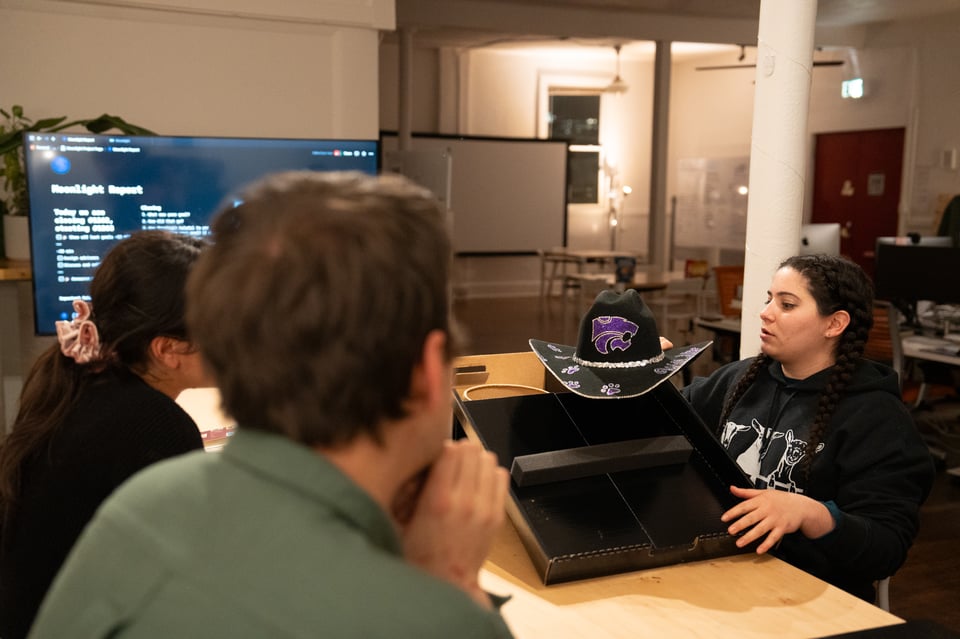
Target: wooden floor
(928,585)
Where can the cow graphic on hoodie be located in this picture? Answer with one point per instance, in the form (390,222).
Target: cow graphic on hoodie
(769,457)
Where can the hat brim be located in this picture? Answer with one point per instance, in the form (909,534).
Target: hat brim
(612,383)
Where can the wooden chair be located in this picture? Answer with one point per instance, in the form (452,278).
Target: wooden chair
(729,289)
(696,268)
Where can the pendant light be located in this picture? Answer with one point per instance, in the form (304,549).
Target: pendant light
(617,85)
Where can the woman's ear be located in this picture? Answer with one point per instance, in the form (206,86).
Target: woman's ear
(838,323)
(167,351)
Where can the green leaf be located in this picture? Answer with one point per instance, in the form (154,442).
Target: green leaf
(106,122)
(11,143)
(46,123)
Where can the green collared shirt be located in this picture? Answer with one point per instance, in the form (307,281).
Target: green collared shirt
(266,539)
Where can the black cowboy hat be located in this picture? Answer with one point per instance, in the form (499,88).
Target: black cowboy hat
(618,353)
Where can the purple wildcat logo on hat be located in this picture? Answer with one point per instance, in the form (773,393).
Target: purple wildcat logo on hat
(618,353)
(612,332)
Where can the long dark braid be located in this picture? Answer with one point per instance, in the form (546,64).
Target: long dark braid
(835,284)
(746,381)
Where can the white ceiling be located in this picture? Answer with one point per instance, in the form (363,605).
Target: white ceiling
(443,23)
(829,12)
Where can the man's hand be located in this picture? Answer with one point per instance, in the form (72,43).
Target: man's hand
(460,509)
(773,514)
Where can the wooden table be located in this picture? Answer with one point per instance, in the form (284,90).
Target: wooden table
(14,274)
(203,405)
(14,270)
(561,257)
(739,597)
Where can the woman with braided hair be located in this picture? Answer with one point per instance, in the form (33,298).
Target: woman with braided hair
(823,427)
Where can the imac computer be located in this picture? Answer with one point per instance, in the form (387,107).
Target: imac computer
(87,192)
(817,239)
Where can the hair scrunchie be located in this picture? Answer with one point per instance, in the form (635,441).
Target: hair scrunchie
(79,338)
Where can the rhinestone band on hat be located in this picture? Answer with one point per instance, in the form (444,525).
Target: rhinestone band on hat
(640,363)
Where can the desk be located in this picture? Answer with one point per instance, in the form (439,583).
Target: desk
(561,257)
(15,346)
(729,325)
(726,343)
(203,405)
(744,596)
(933,349)
(740,597)
(14,270)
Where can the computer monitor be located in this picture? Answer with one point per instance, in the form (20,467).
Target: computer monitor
(816,239)
(914,268)
(87,192)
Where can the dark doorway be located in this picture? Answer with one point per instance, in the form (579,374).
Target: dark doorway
(857,183)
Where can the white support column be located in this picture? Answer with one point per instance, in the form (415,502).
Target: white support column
(405,91)
(778,151)
(448,90)
(657,236)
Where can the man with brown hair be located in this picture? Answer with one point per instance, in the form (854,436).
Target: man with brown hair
(340,508)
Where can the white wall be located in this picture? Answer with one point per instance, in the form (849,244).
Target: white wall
(214,67)
(181,73)
(912,82)
(424,114)
(935,103)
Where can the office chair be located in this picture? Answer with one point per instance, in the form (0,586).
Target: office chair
(884,342)
(883,594)
(885,345)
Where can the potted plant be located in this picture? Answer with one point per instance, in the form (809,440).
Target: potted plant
(14,200)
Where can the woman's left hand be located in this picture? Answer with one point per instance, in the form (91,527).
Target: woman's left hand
(771,514)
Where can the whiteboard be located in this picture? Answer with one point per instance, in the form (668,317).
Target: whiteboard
(507,195)
(711,209)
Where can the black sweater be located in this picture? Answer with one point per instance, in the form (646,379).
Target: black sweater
(119,426)
(872,464)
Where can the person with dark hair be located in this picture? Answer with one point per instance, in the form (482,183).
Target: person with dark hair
(340,508)
(822,427)
(96,407)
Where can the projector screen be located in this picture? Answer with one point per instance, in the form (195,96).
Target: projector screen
(87,192)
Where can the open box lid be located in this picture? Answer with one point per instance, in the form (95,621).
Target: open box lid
(604,522)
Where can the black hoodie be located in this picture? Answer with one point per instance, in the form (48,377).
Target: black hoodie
(872,464)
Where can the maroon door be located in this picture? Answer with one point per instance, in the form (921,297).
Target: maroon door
(857,183)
